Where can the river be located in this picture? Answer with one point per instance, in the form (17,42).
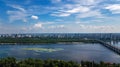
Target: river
(74,52)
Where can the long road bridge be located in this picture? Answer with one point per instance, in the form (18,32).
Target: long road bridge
(110,46)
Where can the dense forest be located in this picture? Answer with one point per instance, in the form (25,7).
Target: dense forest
(12,62)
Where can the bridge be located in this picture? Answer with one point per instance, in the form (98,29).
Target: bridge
(109,46)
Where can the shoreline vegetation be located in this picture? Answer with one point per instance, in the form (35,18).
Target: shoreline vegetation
(30,62)
(44,43)
(31,41)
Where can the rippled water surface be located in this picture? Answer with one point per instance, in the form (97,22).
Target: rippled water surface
(75,52)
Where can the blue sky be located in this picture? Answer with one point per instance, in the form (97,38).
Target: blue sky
(59,16)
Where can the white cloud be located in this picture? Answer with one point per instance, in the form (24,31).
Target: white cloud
(24,14)
(61,15)
(61,26)
(25,20)
(114,8)
(56,27)
(100,28)
(38,25)
(87,2)
(34,17)
(17,15)
(81,27)
(78,9)
(55,1)
(96,27)
(95,14)
(78,22)
(18,7)
(20,13)
(68,10)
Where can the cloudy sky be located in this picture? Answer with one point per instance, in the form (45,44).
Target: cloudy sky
(59,16)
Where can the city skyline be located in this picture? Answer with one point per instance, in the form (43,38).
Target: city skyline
(59,16)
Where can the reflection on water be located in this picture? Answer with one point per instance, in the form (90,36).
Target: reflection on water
(90,52)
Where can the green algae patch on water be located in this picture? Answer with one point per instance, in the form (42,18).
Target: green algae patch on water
(44,49)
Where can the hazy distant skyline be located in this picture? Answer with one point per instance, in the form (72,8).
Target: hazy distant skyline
(59,16)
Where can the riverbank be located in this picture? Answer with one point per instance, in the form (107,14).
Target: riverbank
(16,41)
(45,43)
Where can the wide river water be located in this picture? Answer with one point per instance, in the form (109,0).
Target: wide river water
(74,52)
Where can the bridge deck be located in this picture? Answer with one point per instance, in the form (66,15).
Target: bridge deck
(109,46)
